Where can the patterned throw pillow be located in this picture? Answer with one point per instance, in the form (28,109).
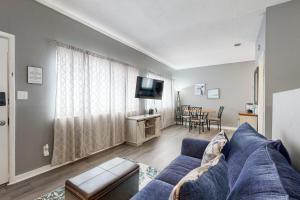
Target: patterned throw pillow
(214,148)
(196,183)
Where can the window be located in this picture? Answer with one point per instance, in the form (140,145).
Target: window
(165,106)
(91,84)
(94,95)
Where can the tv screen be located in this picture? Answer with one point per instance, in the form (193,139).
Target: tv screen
(147,88)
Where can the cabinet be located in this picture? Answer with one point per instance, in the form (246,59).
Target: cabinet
(142,128)
(250,118)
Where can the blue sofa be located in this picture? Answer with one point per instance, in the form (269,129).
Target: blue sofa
(257,168)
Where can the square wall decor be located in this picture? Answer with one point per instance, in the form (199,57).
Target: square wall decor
(200,89)
(213,93)
(35,75)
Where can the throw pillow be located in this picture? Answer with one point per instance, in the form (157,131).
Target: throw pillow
(207,182)
(226,148)
(214,148)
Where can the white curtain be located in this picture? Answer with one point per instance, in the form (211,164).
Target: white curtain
(165,106)
(133,104)
(93,98)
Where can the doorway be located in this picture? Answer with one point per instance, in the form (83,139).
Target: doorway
(7,107)
(4,173)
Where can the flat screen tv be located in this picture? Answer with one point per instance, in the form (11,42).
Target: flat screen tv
(148,88)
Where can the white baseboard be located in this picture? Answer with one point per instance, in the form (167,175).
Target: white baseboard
(46,168)
(172,124)
(225,127)
(33,173)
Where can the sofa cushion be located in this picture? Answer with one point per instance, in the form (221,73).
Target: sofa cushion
(178,168)
(214,148)
(206,182)
(193,147)
(266,175)
(243,143)
(155,190)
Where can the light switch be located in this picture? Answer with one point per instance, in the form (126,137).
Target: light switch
(22,95)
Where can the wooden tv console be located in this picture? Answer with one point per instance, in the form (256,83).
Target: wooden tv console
(142,128)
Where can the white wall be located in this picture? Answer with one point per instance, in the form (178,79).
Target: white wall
(286,121)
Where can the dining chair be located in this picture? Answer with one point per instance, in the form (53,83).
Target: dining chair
(178,115)
(204,121)
(217,120)
(185,117)
(195,116)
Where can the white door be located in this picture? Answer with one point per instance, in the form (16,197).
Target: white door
(3,111)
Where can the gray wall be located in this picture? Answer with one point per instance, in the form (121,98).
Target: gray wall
(234,80)
(34,24)
(282,52)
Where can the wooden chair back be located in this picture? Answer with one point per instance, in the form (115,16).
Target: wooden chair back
(185,110)
(195,112)
(204,115)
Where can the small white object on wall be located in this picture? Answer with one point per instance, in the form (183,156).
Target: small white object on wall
(35,75)
(22,95)
(200,89)
(46,150)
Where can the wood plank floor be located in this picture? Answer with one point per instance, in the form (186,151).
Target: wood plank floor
(158,153)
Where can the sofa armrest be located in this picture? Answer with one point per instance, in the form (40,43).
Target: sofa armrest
(156,189)
(193,147)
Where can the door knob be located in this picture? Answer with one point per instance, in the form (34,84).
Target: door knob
(2,123)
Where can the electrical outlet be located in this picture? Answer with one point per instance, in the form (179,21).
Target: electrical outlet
(46,150)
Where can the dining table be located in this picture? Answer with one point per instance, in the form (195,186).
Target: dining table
(207,111)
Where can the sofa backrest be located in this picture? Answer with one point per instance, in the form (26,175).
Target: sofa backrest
(266,175)
(258,179)
(242,144)
(289,177)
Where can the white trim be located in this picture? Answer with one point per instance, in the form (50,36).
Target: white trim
(46,168)
(30,174)
(12,102)
(103,30)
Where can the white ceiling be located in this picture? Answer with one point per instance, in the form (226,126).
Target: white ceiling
(179,33)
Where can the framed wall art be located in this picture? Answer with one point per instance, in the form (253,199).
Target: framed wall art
(200,89)
(35,75)
(213,93)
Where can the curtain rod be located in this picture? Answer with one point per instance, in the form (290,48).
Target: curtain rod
(61,44)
